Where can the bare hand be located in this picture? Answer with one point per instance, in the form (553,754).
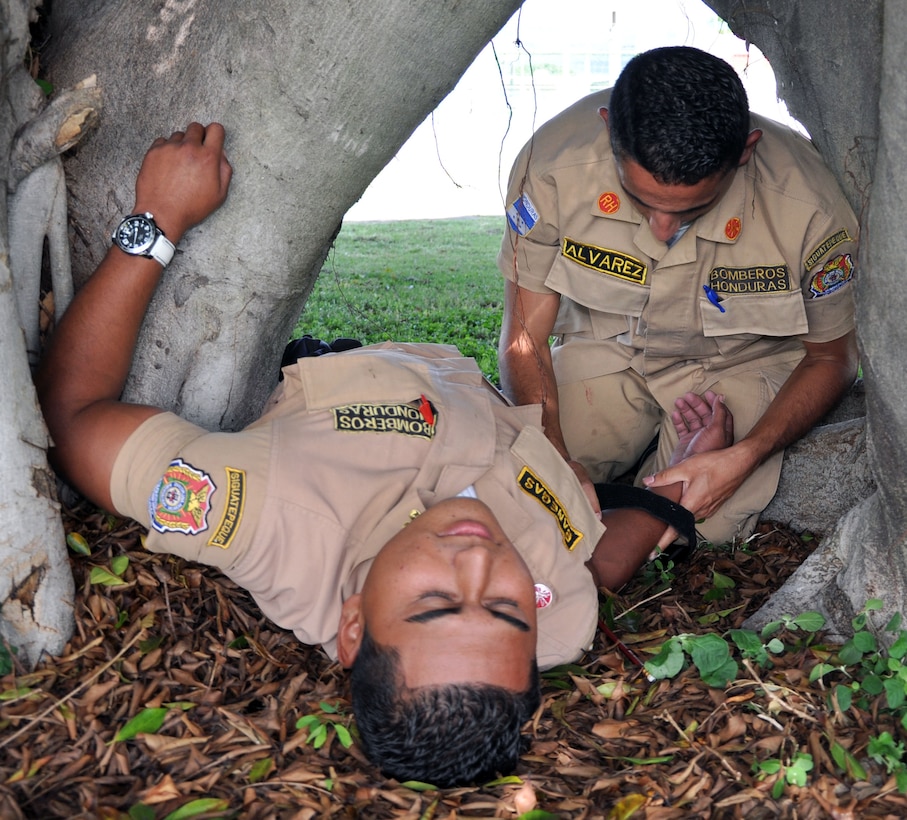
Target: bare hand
(703,423)
(704,462)
(184,179)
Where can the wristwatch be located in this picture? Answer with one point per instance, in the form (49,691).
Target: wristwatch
(139,235)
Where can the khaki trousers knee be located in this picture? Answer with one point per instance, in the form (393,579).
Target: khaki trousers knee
(609,420)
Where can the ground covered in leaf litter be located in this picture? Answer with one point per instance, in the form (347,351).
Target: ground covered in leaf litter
(185,648)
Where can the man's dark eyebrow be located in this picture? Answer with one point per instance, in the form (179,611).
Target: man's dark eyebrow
(432,614)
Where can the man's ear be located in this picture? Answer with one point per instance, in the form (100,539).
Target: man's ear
(603,113)
(751,139)
(350,630)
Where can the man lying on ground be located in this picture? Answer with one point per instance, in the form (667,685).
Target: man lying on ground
(388,504)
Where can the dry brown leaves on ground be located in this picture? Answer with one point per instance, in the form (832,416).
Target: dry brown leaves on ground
(186,645)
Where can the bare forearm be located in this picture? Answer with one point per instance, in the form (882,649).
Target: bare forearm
(182,180)
(814,387)
(91,349)
(85,368)
(630,537)
(527,377)
(524,356)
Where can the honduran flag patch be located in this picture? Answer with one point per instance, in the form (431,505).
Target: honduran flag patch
(522,215)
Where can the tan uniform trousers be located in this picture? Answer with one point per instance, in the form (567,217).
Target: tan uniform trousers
(609,420)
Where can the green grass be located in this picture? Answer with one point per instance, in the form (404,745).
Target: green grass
(413,281)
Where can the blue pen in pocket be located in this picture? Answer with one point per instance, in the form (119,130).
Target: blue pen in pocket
(713,297)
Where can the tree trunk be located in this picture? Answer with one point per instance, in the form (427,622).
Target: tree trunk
(848,92)
(36,588)
(866,556)
(827,60)
(316,98)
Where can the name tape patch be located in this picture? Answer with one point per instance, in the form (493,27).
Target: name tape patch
(530,483)
(522,215)
(605,260)
(181,500)
(834,275)
(760,279)
(236,501)
(404,419)
(825,246)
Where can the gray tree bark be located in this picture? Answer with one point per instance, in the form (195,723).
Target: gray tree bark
(36,588)
(316,98)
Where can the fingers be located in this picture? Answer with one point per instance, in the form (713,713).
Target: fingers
(212,135)
(694,410)
(184,178)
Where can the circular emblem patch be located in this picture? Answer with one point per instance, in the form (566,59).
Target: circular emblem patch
(543,596)
(172,496)
(609,203)
(732,228)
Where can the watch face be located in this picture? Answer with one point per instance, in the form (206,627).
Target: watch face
(135,234)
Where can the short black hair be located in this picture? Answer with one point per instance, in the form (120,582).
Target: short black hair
(680,113)
(448,735)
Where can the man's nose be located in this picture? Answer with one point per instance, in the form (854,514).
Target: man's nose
(663,226)
(473,565)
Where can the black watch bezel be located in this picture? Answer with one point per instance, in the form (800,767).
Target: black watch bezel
(144,248)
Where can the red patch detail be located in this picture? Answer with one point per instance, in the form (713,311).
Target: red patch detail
(543,596)
(732,228)
(182,499)
(609,202)
(425,410)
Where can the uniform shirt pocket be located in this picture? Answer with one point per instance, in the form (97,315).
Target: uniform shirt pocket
(747,317)
(609,305)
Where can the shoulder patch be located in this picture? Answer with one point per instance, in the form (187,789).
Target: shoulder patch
(420,421)
(233,509)
(610,262)
(522,215)
(834,275)
(826,246)
(182,499)
(531,484)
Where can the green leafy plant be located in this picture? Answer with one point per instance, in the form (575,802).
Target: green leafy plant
(890,754)
(318,724)
(709,653)
(6,657)
(753,648)
(794,772)
(721,586)
(659,571)
(867,669)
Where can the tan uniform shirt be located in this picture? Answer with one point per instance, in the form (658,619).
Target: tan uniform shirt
(778,251)
(295,507)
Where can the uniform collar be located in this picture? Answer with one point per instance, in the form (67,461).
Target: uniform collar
(722,224)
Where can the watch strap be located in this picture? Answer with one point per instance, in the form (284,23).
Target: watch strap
(162,250)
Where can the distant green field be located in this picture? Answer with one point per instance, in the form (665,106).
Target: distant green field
(420,281)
